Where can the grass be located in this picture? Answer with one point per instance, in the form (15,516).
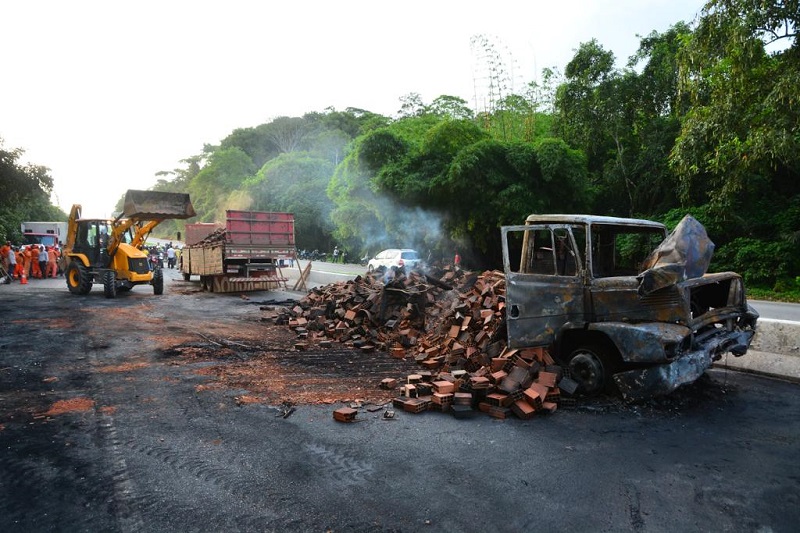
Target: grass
(769,294)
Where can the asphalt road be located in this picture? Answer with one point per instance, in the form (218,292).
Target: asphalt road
(777,310)
(104,428)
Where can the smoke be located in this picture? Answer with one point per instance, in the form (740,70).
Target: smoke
(402,226)
(240,200)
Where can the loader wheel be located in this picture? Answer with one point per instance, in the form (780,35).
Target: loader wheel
(158,281)
(78,279)
(110,284)
(592,367)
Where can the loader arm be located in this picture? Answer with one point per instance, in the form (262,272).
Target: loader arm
(142,232)
(72,227)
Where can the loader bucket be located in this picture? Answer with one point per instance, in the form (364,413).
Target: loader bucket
(157,205)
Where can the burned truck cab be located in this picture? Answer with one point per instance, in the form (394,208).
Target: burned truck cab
(620,303)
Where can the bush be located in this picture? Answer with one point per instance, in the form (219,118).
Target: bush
(759,262)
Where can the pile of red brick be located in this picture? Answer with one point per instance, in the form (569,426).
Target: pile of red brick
(452,323)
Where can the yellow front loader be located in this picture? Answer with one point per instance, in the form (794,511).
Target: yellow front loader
(110,251)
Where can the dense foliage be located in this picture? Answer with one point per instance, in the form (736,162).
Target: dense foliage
(703,119)
(24,195)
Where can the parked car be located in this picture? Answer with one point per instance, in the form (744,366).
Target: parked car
(399,257)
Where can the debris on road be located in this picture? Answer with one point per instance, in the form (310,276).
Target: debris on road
(452,324)
(345,414)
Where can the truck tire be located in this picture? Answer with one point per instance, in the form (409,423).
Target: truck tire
(186,277)
(79,281)
(110,284)
(158,281)
(592,366)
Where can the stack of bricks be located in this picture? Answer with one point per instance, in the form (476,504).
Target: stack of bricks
(519,382)
(457,335)
(416,315)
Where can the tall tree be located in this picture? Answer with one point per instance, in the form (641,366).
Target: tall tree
(25,193)
(739,146)
(226,172)
(296,183)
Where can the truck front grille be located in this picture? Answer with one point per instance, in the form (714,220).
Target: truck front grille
(138,265)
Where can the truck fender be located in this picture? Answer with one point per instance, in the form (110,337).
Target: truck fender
(647,342)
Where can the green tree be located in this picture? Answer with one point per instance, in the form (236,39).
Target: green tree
(739,146)
(226,172)
(25,193)
(296,183)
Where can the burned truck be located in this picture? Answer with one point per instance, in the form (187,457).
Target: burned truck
(621,304)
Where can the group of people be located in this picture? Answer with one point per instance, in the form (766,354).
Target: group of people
(29,261)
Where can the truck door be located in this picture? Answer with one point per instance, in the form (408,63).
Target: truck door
(544,280)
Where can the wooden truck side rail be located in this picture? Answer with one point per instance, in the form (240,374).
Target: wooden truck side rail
(244,255)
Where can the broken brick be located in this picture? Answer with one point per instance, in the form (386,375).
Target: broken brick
(345,414)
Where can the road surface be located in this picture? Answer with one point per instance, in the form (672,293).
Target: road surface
(113,417)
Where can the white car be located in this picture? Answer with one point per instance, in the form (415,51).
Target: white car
(399,257)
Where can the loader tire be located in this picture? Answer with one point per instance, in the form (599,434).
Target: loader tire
(110,284)
(79,281)
(158,281)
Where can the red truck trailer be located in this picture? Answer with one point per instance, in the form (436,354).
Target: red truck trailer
(245,254)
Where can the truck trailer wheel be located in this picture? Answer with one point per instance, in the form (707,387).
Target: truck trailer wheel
(109,284)
(158,281)
(79,281)
(186,277)
(592,367)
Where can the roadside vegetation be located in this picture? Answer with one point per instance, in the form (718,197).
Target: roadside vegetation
(703,119)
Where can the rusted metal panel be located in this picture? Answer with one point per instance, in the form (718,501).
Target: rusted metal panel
(663,379)
(643,343)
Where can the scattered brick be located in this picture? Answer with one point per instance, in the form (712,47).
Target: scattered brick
(456,335)
(345,414)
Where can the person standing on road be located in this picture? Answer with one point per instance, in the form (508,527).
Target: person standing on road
(43,261)
(19,270)
(26,262)
(34,250)
(170,256)
(335,254)
(52,262)
(4,256)
(11,259)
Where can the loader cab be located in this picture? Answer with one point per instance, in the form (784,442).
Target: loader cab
(92,240)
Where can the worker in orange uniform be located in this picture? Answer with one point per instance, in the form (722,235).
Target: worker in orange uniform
(26,261)
(52,262)
(4,256)
(36,271)
(19,270)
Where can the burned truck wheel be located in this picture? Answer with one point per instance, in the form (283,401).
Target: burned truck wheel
(592,367)
(79,281)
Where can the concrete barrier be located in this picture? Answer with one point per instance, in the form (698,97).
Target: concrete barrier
(775,351)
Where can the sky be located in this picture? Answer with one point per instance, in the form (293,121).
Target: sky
(107,94)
